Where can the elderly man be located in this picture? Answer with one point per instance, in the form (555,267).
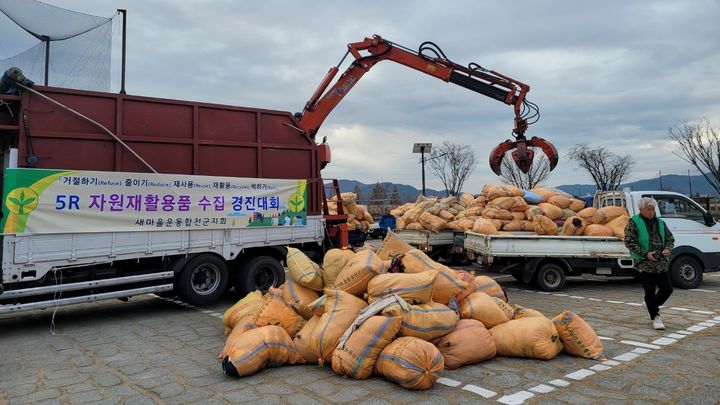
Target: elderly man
(650,242)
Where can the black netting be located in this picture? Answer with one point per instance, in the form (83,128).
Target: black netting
(80,45)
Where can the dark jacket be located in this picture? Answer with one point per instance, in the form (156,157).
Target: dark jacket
(656,245)
(386,221)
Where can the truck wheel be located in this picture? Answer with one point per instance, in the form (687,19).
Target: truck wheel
(550,277)
(260,273)
(202,280)
(686,272)
(518,274)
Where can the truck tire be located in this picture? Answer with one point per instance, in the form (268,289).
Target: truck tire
(686,272)
(260,273)
(550,277)
(202,280)
(518,274)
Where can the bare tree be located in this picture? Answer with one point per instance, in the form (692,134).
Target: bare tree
(452,163)
(700,146)
(538,173)
(607,169)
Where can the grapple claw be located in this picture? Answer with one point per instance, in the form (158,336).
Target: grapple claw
(522,154)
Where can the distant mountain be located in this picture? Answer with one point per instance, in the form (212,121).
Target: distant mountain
(671,182)
(407,193)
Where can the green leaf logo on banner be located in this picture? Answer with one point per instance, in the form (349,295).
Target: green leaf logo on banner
(296,202)
(21,201)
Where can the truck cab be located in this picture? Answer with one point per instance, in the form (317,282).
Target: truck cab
(697,234)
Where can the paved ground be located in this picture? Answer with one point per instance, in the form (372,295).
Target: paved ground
(152,350)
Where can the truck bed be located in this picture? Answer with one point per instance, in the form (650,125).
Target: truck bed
(527,244)
(30,257)
(424,237)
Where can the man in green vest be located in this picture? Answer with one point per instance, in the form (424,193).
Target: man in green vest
(650,242)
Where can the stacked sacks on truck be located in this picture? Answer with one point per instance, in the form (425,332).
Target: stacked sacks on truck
(359,217)
(413,363)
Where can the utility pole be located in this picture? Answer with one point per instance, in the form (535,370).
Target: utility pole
(122,68)
(690,183)
(421,148)
(46,39)
(661,186)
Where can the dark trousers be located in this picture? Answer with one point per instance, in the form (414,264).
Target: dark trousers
(653,282)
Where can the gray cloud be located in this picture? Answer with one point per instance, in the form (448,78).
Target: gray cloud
(614,74)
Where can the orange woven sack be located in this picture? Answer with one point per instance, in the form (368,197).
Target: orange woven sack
(269,346)
(356,359)
(522,312)
(493,213)
(303,270)
(232,339)
(598,230)
(469,343)
(333,262)
(299,297)
(426,321)
(578,337)
(607,214)
(341,309)
(356,275)
(532,337)
(414,226)
(484,308)
(533,211)
(576,205)
(446,215)
(243,311)
(432,222)
(472,284)
(573,226)
(587,214)
(551,211)
(302,340)
(491,287)
(560,201)
(414,288)
(413,363)
(544,226)
(276,312)
(544,193)
(508,203)
(446,286)
(484,226)
(618,226)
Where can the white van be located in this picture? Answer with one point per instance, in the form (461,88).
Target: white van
(697,235)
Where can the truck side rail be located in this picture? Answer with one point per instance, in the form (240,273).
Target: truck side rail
(527,244)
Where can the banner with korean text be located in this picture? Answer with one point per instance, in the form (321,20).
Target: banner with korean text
(55,201)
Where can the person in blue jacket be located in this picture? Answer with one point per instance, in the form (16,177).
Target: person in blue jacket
(386,221)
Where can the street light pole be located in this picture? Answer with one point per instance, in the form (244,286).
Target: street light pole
(421,148)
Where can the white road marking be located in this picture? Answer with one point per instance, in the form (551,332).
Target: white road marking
(542,389)
(480,391)
(605,338)
(684,332)
(717,318)
(635,304)
(639,344)
(701,290)
(580,374)
(560,383)
(594,299)
(676,336)
(600,367)
(543,292)
(696,328)
(528,291)
(708,324)
(610,362)
(579,297)
(615,302)
(448,382)
(516,398)
(704,312)
(627,356)
(664,341)
(640,350)
(560,295)
(679,309)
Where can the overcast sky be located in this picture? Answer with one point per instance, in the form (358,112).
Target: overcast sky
(614,74)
